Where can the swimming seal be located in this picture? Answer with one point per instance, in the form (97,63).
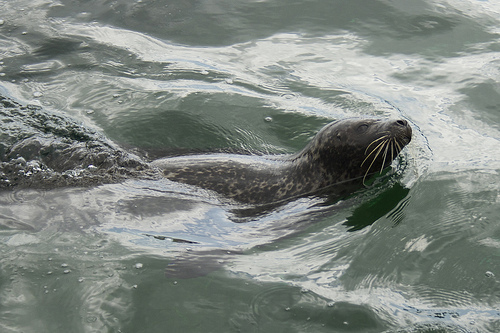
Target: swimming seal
(343,151)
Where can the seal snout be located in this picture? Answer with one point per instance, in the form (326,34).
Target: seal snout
(403,130)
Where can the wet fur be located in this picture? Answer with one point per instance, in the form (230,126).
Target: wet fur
(343,151)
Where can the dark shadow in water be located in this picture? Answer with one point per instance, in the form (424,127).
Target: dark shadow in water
(372,210)
(55,47)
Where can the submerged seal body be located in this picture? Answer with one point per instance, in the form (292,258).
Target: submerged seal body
(342,151)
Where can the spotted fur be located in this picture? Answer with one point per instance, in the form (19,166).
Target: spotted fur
(342,151)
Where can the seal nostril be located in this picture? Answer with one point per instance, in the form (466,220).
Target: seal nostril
(401,122)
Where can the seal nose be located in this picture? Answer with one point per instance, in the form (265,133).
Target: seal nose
(403,128)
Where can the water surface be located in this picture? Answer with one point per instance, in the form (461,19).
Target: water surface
(417,252)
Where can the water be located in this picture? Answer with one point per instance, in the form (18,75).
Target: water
(417,253)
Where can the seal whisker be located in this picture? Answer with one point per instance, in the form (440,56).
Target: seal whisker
(385,155)
(392,149)
(398,146)
(374,149)
(380,147)
(381,138)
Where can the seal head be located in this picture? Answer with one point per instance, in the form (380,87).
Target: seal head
(351,148)
(344,151)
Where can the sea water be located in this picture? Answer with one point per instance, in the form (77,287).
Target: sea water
(419,251)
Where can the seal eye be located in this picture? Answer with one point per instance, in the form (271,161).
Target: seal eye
(362,128)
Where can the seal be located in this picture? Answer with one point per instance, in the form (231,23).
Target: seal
(342,152)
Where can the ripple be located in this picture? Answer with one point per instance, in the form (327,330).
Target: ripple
(10,223)
(26,196)
(444,298)
(274,303)
(307,309)
(50,66)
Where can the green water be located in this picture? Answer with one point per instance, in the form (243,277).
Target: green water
(419,252)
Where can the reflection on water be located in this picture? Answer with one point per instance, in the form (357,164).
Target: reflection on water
(419,253)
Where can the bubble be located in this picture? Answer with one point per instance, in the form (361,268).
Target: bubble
(268,119)
(83,15)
